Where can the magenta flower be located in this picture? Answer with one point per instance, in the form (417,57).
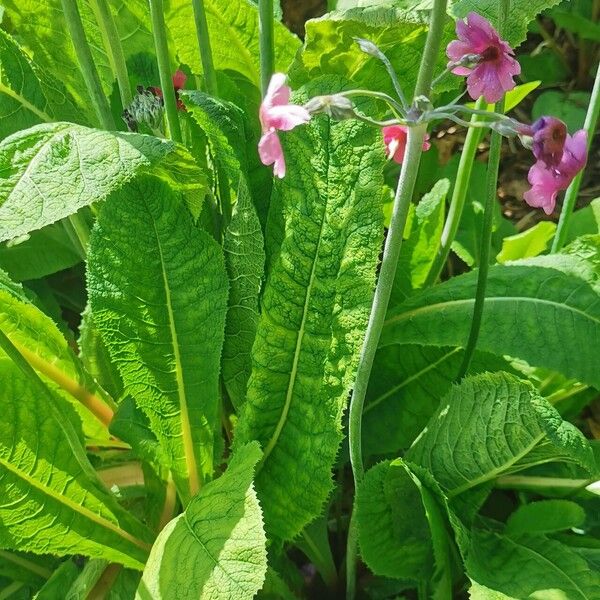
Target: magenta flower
(483,57)
(549,137)
(276,114)
(547,180)
(394,138)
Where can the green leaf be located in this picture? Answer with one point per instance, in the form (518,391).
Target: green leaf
(314,311)
(235,43)
(519,16)
(216,549)
(511,426)
(27,95)
(545,516)
(41,253)
(532,242)
(418,251)
(585,221)
(28,568)
(542,310)
(529,566)
(245,261)
(43,346)
(89,164)
(330,48)
(159,300)
(51,500)
(545,67)
(584,27)
(61,581)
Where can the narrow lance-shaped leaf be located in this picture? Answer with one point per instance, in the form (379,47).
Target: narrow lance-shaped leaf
(43,346)
(314,312)
(51,500)
(545,311)
(50,171)
(245,260)
(158,292)
(216,549)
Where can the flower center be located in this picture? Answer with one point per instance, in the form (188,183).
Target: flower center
(490,54)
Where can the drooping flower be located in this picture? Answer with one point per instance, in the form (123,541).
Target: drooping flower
(276,114)
(179,78)
(549,137)
(547,180)
(394,138)
(486,60)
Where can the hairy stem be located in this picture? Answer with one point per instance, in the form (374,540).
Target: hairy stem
(591,120)
(459,196)
(491,185)
(86,64)
(112,43)
(208,66)
(267,44)
(159,31)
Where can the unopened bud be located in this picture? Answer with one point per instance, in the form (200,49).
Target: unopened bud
(368,47)
(335,106)
(146,108)
(509,128)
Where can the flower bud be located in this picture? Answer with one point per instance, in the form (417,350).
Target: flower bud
(368,47)
(336,106)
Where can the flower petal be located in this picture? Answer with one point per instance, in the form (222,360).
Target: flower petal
(286,117)
(269,149)
(277,93)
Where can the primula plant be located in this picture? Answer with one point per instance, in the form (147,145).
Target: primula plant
(259,338)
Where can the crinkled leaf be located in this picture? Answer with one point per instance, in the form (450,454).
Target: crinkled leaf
(490,425)
(314,311)
(519,16)
(51,500)
(542,310)
(159,301)
(528,566)
(245,261)
(27,95)
(50,171)
(40,342)
(216,549)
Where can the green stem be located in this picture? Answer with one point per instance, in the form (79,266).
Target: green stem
(208,66)
(486,245)
(267,44)
(459,196)
(112,43)
(86,64)
(591,120)
(82,231)
(432,48)
(159,31)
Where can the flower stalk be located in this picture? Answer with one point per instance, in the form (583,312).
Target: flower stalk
(206,57)
(159,31)
(86,64)
(591,121)
(266,43)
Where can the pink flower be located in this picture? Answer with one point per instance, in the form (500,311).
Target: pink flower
(395,137)
(549,137)
(276,114)
(478,42)
(547,180)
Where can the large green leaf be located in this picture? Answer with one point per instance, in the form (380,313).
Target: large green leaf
(528,566)
(330,47)
(27,95)
(494,424)
(51,500)
(234,36)
(40,342)
(159,300)
(50,171)
(216,549)
(545,516)
(519,16)
(542,310)
(245,260)
(315,309)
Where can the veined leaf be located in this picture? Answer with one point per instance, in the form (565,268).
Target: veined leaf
(51,501)
(245,260)
(236,45)
(216,549)
(542,310)
(490,425)
(529,566)
(330,47)
(519,17)
(50,171)
(159,301)
(44,347)
(27,95)
(315,308)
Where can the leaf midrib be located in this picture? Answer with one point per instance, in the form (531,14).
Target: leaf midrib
(25,103)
